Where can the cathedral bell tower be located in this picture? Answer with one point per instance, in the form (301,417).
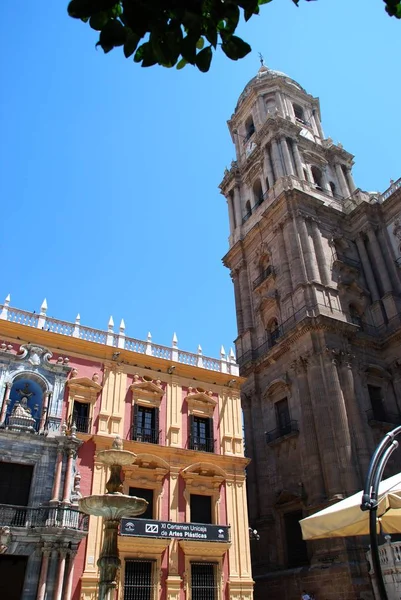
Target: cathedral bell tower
(317,293)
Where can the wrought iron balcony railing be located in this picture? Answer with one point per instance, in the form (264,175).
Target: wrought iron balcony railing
(264,275)
(43,516)
(382,416)
(198,442)
(83,424)
(145,434)
(280,432)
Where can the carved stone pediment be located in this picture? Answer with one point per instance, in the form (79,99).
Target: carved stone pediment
(209,549)
(204,474)
(287,496)
(200,402)
(266,301)
(146,388)
(83,383)
(200,396)
(150,461)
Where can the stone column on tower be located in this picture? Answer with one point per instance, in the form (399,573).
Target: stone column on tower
(287,157)
(315,487)
(231,215)
(238,303)
(237,206)
(308,253)
(283,263)
(277,164)
(361,452)
(341,429)
(245,296)
(342,181)
(298,161)
(325,274)
(268,167)
(324,429)
(367,269)
(381,265)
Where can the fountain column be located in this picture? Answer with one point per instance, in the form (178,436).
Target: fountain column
(112,506)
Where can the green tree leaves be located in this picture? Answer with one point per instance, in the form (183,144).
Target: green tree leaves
(393,8)
(175,32)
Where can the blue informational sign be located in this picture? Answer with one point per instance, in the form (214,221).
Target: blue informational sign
(168,529)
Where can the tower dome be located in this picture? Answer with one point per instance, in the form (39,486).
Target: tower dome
(263,75)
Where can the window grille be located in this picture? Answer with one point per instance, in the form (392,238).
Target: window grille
(203,581)
(138,580)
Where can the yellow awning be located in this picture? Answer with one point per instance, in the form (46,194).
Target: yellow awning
(345,518)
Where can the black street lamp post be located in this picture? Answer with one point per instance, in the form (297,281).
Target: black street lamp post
(370,499)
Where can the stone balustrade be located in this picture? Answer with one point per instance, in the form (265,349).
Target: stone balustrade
(226,363)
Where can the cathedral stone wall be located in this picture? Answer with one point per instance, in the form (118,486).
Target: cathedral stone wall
(314,263)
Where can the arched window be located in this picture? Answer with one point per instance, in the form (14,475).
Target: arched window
(333,188)
(249,128)
(248,210)
(257,192)
(273,332)
(270,104)
(299,113)
(354,313)
(317,177)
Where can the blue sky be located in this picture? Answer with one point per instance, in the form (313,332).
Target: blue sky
(109,172)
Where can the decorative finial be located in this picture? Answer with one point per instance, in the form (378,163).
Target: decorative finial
(262,60)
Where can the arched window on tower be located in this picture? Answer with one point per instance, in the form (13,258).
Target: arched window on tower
(265,268)
(317,177)
(333,188)
(299,113)
(355,315)
(257,192)
(249,128)
(270,104)
(273,332)
(248,210)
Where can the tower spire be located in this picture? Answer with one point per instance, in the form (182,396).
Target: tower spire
(262,60)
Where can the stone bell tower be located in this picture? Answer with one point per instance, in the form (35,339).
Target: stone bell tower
(314,263)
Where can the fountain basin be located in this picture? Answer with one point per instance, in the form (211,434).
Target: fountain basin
(112,506)
(116,457)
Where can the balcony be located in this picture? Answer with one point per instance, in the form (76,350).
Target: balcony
(201,443)
(44,516)
(291,428)
(83,424)
(145,434)
(264,275)
(382,416)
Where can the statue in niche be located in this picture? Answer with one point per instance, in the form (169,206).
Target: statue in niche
(25,393)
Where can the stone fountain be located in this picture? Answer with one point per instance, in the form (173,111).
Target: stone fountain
(112,506)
